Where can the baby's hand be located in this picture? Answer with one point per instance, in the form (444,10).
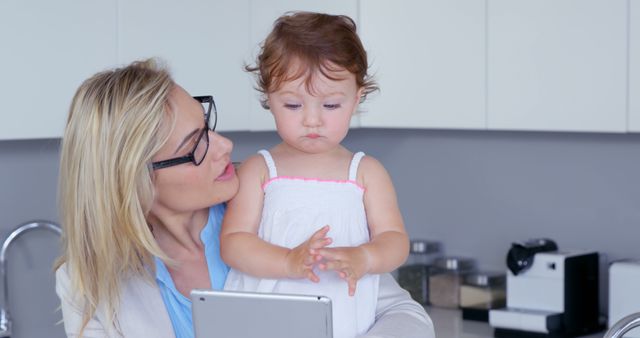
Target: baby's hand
(301,259)
(351,263)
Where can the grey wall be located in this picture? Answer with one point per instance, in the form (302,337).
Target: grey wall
(475,191)
(478,191)
(28,174)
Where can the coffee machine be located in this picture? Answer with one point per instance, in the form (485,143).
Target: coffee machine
(549,293)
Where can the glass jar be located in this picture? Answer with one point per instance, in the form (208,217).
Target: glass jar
(413,276)
(446,278)
(482,291)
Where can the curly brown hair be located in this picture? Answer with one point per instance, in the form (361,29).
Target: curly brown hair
(308,43)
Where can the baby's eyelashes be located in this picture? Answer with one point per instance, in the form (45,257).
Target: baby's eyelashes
(296,106)
(292,106)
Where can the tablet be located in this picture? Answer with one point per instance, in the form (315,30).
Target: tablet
(265,315)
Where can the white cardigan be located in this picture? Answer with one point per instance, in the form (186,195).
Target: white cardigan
(142,313)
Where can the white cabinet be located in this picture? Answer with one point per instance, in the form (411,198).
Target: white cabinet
(263,15)
(429,60)
(634,66)
(205,44)
(557,65)
(48,49)
(569,65)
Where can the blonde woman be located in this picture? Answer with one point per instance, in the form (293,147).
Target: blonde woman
(143,183)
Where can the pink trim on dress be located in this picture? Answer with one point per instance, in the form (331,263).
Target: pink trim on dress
(264,185)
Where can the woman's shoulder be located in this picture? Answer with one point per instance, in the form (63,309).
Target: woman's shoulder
(62,276)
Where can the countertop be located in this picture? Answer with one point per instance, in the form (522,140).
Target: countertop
(449,324)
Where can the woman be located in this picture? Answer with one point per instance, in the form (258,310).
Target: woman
(141,167)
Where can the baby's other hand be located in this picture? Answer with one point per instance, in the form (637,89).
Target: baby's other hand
(301,259)
(351,263)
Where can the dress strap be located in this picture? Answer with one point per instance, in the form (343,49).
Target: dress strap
(355,162)
(270,164)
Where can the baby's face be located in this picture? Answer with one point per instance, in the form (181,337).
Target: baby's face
(315,117)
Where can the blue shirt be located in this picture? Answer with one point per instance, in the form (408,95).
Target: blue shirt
(178,306)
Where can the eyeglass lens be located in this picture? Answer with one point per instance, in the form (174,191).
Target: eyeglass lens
(210,110)
(201,148)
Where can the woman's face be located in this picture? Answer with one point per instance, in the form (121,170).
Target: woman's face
(187,187)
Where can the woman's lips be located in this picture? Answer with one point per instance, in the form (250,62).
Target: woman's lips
(229,172)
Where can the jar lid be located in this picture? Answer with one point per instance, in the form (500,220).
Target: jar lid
(421,246)
(455,263)
(484,278)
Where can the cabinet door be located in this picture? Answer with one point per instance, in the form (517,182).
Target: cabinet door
(429,60)
(557,65)
(205,44)
(48,49)
(634,66)
(263,15)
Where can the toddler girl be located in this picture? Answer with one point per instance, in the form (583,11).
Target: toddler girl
(311,217)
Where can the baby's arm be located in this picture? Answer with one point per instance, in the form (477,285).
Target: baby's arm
(389,245)
(243,250)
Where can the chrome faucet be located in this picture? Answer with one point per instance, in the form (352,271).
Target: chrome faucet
(5,319)
(623,326)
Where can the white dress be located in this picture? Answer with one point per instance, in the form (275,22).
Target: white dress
(294,208)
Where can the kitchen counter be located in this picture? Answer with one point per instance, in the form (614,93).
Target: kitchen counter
(449,324)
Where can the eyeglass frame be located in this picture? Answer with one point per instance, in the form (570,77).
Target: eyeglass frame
(190,157)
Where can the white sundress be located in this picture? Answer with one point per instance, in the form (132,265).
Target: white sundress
(294,208)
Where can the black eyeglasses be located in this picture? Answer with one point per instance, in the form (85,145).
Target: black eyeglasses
(199,151)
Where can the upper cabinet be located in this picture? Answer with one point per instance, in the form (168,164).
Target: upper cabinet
(634,66)
(429,60)
(262,16)
(547,65)
(557,65)
(205,44)
(48,49)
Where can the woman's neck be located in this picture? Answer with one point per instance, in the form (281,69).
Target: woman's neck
(178,235)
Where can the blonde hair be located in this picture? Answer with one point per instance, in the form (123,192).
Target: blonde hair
(117,121)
